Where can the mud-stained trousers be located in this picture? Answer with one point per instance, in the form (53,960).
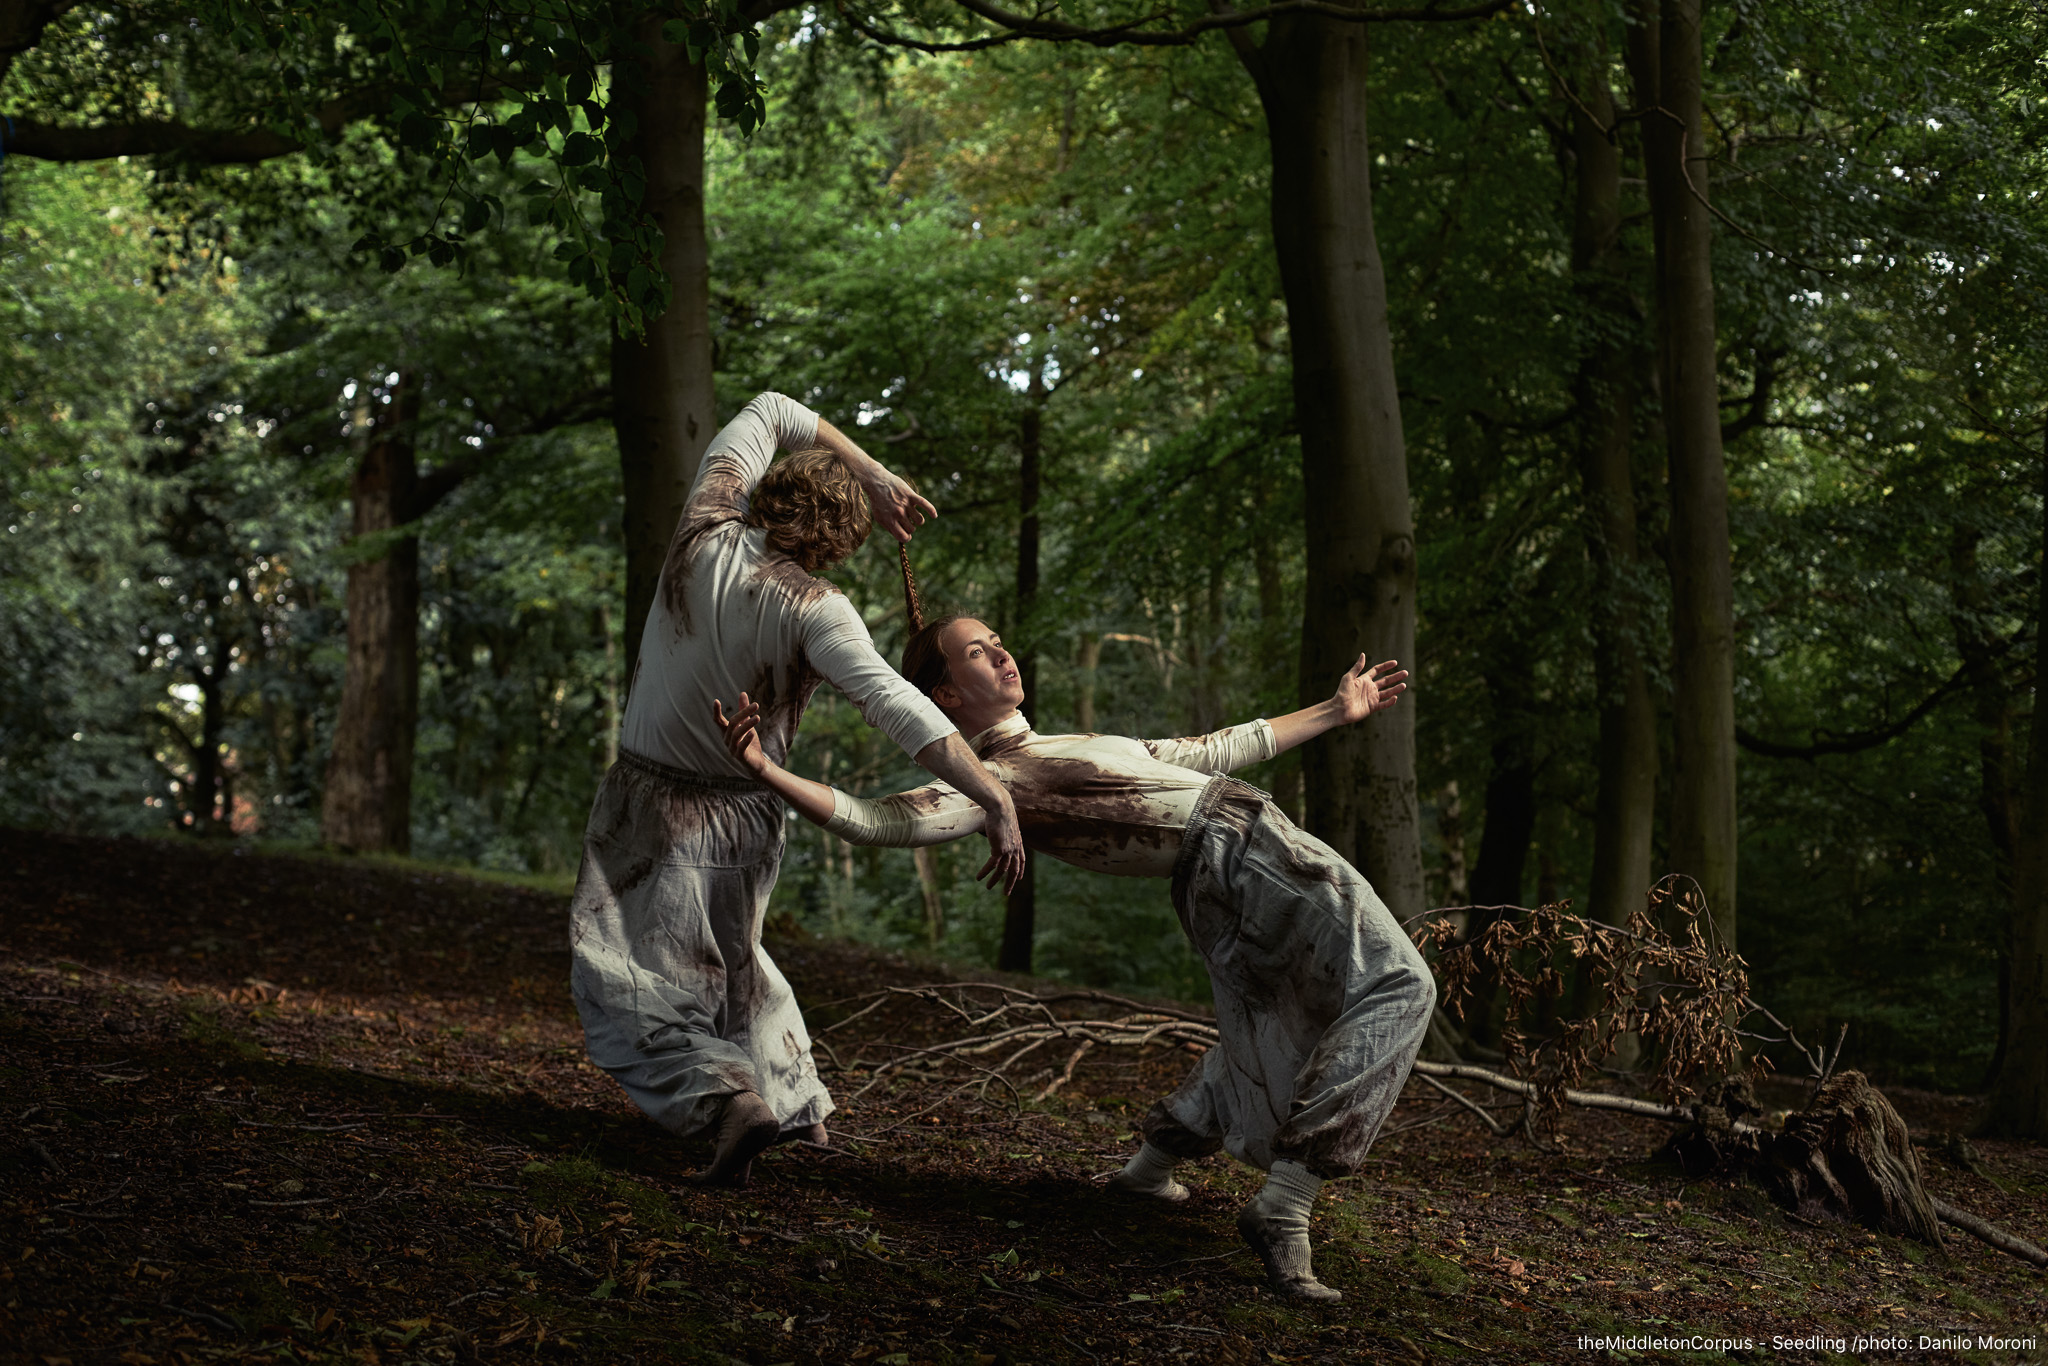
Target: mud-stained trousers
(1321,999)
(679,1000)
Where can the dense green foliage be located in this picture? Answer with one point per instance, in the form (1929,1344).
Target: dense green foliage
(926,250)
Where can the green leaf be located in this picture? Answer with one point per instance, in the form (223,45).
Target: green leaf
(580,150)
(419,132)
(604,1289)
(392,260)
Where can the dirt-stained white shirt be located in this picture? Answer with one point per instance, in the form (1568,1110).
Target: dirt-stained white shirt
(1100,802)
(734,615)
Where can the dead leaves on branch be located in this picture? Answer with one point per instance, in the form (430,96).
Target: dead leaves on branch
(1663,978)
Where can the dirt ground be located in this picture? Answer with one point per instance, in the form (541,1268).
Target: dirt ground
(302,1109)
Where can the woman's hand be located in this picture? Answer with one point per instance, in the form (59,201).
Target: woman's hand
(899,509)
(1363,691)
(743,733)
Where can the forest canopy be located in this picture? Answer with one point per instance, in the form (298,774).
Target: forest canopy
(292,307)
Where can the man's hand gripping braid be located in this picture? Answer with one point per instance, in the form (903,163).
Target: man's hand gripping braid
(949,759)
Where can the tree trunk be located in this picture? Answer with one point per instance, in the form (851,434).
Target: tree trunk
(1272,639)
(926,860)
(2019,1093)
(1665,57)
(1992,705)
(1360,531)
(1086,672)
(1020,914)
(1503,856)
(662,403)
(1626,801)
(367,805)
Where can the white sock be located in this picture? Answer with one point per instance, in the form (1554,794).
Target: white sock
(1150,1172)
(1284,1201)
(1148,1169)
(1275,1223)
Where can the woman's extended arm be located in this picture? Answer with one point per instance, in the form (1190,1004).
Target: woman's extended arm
(928,815)
(1360,692)
(813,801)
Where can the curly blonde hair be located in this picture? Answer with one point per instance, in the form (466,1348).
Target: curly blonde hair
(812,509)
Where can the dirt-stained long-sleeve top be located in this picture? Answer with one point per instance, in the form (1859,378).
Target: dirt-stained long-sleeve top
(1100,802)
(733,615)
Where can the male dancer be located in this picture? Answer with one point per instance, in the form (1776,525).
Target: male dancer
(679,1000)
(1321,1000)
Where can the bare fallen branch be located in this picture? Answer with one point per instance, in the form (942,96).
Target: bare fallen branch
(1499,1129)
(1990,1233)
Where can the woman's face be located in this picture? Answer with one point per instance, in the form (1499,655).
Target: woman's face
(982,678)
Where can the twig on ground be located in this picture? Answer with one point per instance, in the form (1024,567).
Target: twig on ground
(1068,1074)
(44,1153)
(206,1316)
(1499,1129)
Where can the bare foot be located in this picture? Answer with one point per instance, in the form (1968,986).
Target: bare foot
(1170,1190)
(1284,1250)
(744,1129)
(810,1133)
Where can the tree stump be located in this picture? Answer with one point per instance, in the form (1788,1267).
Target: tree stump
(1848,1154)
(1713,1143)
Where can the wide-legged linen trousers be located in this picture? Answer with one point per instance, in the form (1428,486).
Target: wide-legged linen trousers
(679,1000)
(1322,1001)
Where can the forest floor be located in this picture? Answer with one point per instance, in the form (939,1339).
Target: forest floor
(299,1108)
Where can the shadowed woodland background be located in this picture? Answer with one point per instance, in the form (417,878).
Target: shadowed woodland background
(348,365)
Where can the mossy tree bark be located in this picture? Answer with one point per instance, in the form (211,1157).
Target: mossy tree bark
(1605,397)
(1665,61)
(663,411)
(366,806)
(1360,532)
(2019,1093)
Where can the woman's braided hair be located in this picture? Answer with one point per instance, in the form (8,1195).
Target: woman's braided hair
(924,658)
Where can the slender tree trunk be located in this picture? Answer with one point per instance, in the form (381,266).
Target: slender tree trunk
(1360,531)
(1087,669)
(1665,57)
(2019,1094)
(1503,855)
(1992,706)
(1626,801)
(662,403)
(1272,637)
(1020,915)
(926,860)
(367,805)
